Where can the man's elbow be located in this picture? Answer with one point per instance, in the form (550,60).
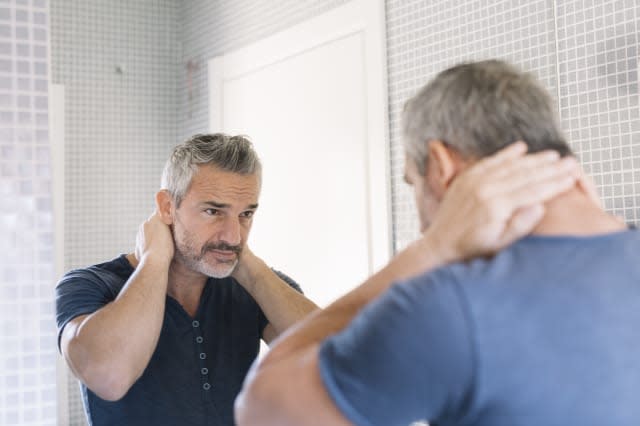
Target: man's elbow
(107,382)
(261,403)
(110,390)
(250,405)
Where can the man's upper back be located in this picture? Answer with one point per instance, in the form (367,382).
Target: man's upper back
(555,330)
(544,333)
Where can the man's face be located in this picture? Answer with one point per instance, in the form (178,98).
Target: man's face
(426,202)
(211,226)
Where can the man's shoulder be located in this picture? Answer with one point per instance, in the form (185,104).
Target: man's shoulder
(523,266)
(113,274)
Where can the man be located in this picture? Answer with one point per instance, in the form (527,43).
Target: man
(543,332)
(166,336)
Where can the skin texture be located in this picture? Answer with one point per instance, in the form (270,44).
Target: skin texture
(467,208)
(177,249)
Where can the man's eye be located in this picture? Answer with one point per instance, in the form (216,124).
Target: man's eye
(248,214)
(211,212)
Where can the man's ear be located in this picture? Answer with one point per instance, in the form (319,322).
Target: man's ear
(164,204)
(443,165)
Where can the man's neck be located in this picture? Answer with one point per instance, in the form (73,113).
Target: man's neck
(185,286)
(573,213)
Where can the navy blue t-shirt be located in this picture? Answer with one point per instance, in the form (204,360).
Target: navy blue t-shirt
(199,363)
(545,333)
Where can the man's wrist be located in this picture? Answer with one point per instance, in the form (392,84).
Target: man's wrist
(156,260)
(249,273)
(436,251)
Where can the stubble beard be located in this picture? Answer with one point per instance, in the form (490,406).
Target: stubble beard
(195,260)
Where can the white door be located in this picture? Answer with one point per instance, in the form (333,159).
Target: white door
(312,100)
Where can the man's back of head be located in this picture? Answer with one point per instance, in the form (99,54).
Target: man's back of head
(478,108)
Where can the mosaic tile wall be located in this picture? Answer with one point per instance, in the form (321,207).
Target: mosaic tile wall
(27,325)
(584,51)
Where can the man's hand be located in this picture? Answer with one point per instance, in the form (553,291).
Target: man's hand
(498,200)
(154,239)
(248,269)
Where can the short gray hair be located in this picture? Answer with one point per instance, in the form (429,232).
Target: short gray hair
(478,108)
(229,153)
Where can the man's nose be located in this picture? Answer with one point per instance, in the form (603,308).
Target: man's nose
(231,231)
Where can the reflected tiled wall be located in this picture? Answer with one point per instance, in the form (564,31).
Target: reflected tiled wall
(118,64)
(27,324)
(584,51)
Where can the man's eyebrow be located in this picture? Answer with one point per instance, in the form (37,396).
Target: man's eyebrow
(218,205)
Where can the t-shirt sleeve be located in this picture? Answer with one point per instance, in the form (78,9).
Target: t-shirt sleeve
(83,292)
(406,357)
(263,321)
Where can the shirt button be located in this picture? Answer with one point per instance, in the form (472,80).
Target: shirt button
(203,355)
(206,386)
(195,324)
(204,371)
(199,339)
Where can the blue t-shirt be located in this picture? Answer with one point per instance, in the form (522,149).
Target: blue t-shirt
(199,363)
(545,333)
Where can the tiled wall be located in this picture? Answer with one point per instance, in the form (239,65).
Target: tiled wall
(598,48)
(118,64)
(27,324)
(584,51)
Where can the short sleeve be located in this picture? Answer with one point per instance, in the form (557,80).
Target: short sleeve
(83,292)
(263,321)
(406,357)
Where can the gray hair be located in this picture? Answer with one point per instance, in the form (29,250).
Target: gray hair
(478,108)
(229,153)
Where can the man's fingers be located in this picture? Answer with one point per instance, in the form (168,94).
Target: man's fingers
(528,164)
(522,223)
(515,150)
(538,192)
(533,172)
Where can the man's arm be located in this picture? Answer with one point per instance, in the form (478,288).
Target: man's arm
(491,205)
(109,349)
(282,305)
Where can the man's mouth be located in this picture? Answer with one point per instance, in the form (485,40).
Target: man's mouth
(224,255)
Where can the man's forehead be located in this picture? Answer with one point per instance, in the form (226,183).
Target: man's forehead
(212,182)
